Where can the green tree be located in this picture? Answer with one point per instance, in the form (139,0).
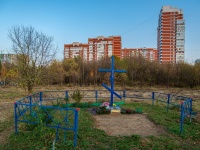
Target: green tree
(56,72)
(187,75)
(34,51)
(71,69)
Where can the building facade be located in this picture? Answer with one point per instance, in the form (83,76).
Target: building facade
(171,35)
(104,47)
(149,54)
(95,49)
(8,58)
(76,49)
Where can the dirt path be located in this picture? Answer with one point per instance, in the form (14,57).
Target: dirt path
(116,124)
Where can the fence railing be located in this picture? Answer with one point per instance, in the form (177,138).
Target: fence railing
(186,111)
(169,99)
(33,105)
(96,95)
(183,103)
(29,110)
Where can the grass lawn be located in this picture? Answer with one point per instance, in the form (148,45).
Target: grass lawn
(89,137)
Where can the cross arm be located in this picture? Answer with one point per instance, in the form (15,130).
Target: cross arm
(120,71)
(111,90)
(104,70)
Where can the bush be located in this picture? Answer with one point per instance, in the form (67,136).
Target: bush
(76,96)
(41,116)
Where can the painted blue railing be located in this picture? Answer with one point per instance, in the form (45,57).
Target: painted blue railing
(33,104)
(95,95)
(186,111)
(182,102)
(30,110)
(169,99)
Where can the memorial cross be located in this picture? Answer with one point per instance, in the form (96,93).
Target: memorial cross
(111,89)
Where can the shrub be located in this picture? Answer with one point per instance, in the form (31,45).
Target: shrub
(76,96)
(40,116)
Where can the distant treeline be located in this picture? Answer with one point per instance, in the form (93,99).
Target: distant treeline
(139,73)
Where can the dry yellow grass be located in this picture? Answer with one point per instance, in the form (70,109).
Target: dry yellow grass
(10,94)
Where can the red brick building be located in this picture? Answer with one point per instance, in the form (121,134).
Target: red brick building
(95,49)
(149,54)
(76,49)
(104,47)
(171,35)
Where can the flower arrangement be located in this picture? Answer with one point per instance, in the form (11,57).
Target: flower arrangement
(102,110)
(105,104)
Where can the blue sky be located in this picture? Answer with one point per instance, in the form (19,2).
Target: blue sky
(77,20)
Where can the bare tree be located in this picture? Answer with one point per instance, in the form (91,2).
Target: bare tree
(34,51)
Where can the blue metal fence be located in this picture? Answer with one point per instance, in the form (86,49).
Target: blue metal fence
(33,104)
(30,110)
(93,95)
(183,103)
(186,111)
(169,99)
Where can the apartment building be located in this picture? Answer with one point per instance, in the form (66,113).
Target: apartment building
(95,49)
(104,47)
(171,35)
(8,58)
(149,54)
(76,49)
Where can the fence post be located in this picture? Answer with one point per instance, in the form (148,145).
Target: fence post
(66,94)
(41,98)
(181,118)
(153,97)
(96,95)
(190,110)
(67,98)
(30,98)
(168,101)
(75,127)
(124,95)
(15,116)
(57,134)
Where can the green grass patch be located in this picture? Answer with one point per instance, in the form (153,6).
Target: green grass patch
(90,137)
